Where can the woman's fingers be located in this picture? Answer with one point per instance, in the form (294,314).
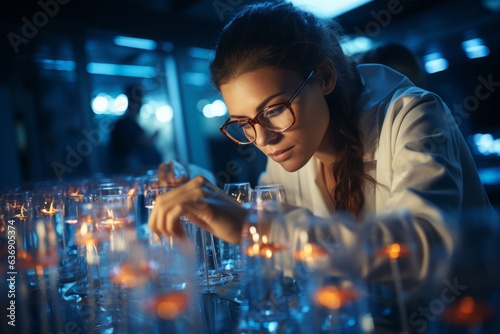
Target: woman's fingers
(203,203)
(173,225)
(170,206)
(164,218)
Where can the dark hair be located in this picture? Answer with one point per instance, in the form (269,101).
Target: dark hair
(280,35)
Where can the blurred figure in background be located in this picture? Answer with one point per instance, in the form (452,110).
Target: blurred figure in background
(131,149)
(398,57)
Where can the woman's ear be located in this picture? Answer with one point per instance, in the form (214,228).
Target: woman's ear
(327,74)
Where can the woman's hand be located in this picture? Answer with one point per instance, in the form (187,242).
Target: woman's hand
(204,204)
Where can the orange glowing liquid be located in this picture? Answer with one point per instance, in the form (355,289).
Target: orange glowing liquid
(334,297)
(14,206)
(310,252)
(49,212)
(266,250)
(112,222)
(168,305)
(20,217)
(393,251)
(88,238)
(26,261)
(131,275)
(468,312)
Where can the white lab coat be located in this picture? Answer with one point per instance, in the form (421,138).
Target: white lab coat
(418,156)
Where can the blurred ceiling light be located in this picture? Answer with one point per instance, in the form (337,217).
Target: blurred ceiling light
(58,65)
(486,144)
(164,113)
(489,176)
(201,104)
(214,109)
(146,110)
(201,53)
(475,48)
(329,8)
(195,78)
(100,104)
(105,104)
(132,42)
(356,44)
(138,71)
(435,62)
(121,103)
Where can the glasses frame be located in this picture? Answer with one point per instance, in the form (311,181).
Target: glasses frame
(255,120)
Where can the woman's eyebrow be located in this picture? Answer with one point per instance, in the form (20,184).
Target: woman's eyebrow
(260,106)
(266,101)
(235,117)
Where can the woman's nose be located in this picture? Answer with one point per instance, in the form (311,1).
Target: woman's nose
(264,136)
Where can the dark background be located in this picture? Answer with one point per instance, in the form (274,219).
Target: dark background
(44,109)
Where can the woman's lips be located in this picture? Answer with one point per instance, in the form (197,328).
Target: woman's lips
(281,155)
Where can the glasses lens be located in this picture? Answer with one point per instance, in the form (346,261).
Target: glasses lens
(276,118)
(242,132)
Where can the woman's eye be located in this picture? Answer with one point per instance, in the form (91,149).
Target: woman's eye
(245,126)
(274,111)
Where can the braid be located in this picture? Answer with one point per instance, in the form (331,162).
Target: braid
(348,169)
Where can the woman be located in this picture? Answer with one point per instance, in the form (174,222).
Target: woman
(339,137)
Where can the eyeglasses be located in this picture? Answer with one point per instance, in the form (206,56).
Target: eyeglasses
(277,117)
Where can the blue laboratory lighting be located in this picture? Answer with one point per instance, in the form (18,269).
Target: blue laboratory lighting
(329,8)
(489,176)
(138,71)
(486,144)
(132,42)
(214,109)
(357,44)
(435,62)
(57,65)
(475,48)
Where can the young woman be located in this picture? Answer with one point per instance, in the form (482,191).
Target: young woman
(340,137)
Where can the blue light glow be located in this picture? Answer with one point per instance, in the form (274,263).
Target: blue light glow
(435,62)
(489,176)
(475,48)
(138,71)
(201,53)
(121,103)
(357,44)
(164,114)
(100,104)
(58,65)
(329,8)
(486,145)
(132,42)
(105,104)
(214,109)
(147,110)
(195,78)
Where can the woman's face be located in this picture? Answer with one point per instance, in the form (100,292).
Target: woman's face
(250,92)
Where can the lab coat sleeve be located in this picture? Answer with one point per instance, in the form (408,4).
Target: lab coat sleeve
(419,163)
